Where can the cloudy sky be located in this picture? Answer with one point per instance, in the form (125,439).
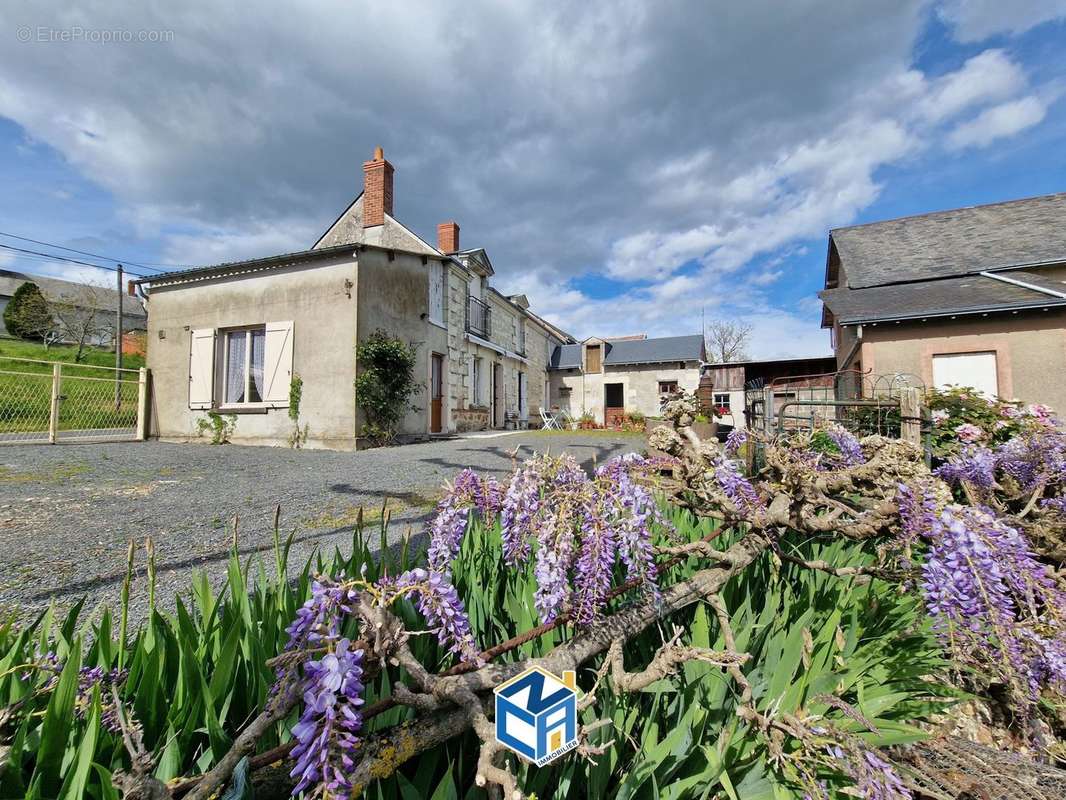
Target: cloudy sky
(631,166)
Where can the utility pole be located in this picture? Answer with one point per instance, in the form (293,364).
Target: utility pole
(118,340)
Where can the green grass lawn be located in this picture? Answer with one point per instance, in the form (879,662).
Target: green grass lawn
(96,356)
(87,402)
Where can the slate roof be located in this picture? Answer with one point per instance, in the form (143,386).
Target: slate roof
(970,294)
(951,243)
(78,294)
(634,351)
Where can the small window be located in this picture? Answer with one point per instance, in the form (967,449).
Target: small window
(244,352)
(592,358)
(721,400)
(667,387)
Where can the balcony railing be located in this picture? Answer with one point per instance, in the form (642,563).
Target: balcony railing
(478,318)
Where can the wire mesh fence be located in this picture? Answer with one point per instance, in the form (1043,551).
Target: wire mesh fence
(885,405)
(49,402)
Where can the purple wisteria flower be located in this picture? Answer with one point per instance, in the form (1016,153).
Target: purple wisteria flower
(850,450)
(736,439)
(594,569)
(439,604)
(89,678)
(993,604)
(636,514)
(975,465)
(554,558)
(318,621)
(449,523)
(1054,505)
(327,732)
(737,488)
(918,510)
(874,778)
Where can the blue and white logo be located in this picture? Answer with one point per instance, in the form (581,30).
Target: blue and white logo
(536,714)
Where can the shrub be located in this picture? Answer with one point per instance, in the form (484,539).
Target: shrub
(384,385)
(27,314)
(221,427)
(962,416)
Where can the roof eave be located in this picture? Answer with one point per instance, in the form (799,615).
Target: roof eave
(954,313)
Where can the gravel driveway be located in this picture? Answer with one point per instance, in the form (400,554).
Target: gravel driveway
(67,512)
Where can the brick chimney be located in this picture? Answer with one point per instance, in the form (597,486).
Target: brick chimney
(448,237)
(377,189)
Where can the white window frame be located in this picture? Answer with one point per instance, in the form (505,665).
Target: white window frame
(225,403)
(727,405)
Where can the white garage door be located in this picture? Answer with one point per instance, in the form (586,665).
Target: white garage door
(976,370)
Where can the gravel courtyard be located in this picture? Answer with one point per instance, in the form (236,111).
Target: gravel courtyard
(68,512)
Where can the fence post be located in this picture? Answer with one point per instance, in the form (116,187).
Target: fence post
(768,412)
(53,408)
(142,404)
(910,412)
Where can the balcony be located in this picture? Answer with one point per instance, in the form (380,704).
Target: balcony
(478,318)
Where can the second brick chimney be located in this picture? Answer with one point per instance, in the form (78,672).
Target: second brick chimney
(448,237)
(377,189)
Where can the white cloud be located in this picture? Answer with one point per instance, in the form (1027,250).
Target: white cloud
(213,246)
(998,122)
(977,20)
(987,77)
(566,139)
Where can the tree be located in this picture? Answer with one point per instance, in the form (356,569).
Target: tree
(727,341)
(384,385)
(27,314)
(81,320)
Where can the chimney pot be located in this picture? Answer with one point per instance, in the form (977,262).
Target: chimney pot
(448,237)
(377,189)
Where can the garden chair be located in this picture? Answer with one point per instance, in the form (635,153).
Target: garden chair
(550,422)
(567,420)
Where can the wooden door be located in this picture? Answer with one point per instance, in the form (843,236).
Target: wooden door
(436,383)
(613,405)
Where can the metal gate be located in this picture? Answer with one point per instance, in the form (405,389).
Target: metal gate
(50,402)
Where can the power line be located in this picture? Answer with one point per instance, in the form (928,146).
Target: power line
(122,261)
(53,257)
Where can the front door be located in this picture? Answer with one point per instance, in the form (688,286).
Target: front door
(613,405)
(436,401)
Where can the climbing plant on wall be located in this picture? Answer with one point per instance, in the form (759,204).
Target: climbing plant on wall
(384,385)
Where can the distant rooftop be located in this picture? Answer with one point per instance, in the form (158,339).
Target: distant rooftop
(619,352)
(79,294)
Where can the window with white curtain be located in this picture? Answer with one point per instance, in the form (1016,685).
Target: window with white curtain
(244,352)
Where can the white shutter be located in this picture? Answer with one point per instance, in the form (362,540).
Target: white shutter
(202,368)
(277,363)
(436,292)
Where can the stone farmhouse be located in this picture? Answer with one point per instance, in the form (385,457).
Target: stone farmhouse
(609,378)
(232,337)
(968,297)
